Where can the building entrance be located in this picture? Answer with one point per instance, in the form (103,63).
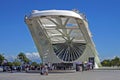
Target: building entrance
(92,60)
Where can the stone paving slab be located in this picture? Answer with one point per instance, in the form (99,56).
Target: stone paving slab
(86,75)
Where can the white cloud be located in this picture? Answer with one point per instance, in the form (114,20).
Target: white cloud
(34,56)
(10,58)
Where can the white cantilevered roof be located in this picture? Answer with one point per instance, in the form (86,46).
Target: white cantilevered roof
(60,25)
(36,13)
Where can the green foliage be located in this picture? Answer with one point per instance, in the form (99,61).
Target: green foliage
(112,62)
(34,64)
(115,61)
(106,63)
(119,64)
(41,64)
(16,62)
(22,57)
(1,59)
(10,64)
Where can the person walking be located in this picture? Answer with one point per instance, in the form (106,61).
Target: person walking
(46,70)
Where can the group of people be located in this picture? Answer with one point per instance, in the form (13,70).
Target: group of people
(84,66)
(44,70)
(12,68)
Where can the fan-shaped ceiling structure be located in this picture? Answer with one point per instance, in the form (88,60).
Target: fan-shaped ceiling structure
(64,35)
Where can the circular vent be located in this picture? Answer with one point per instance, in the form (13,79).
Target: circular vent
(69,51)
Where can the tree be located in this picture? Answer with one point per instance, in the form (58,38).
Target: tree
(115,61)
(22,57)
(106,62)
(119,64)
(1,59)
(111,62)
(9,64)
(16,62)
(34,64)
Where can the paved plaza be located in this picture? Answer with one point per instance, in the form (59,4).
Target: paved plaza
(86,75)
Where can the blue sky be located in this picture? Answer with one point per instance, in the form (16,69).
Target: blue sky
(103,17)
